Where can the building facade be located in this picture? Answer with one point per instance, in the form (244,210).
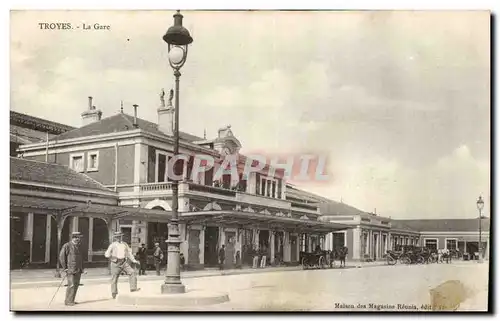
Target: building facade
(49,201)
(130,156)
(371,236)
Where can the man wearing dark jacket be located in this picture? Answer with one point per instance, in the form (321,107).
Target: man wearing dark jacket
(222,257)
(142,256)
(71,261)
(158,257)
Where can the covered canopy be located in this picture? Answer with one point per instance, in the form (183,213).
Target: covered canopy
(257,220)
(30,204)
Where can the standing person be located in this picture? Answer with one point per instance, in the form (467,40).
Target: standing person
(158,257)
(222,257)
(72,263)
(142,255)
(118,252)
(183,261)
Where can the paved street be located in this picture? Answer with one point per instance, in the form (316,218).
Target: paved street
(318,290)
(29,278)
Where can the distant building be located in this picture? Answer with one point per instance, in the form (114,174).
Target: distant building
(371,235)
(25,129)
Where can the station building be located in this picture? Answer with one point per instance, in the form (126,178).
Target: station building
(128,156)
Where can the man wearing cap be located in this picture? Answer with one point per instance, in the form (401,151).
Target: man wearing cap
(72,263)
(118,252)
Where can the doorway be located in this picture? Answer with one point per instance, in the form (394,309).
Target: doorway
(375,246)
(211,242)
(294,245)
(264,242)
(127,235)
(230,249)
(278,245)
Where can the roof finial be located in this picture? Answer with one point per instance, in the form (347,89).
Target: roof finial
(205,133)
(162,98)
(121,107)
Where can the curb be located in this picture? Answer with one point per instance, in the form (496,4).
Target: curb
(104,280)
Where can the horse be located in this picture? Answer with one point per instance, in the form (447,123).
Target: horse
(444,255)
(340,254)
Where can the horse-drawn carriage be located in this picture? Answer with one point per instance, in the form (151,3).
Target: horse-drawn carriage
(317,259)
(323,259)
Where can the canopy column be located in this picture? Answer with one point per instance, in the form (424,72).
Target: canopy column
(60,218)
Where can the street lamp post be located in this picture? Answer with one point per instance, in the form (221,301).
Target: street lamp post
(178,39)
(480,206)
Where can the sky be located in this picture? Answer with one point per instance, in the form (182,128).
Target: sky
(398,101)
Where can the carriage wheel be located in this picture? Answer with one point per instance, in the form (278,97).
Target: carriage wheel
(420,259)
(405,260)
(304,263)
(390,260)
(322,262)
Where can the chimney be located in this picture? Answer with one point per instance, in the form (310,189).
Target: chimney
(91,115)
(166,116)
(135,116)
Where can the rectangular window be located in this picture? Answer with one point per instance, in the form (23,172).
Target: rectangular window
(338,239)
(267,186)
(209,177)
(93,161)
(76,162)
(162,167)
(451,244)
(431,244)
(226,181)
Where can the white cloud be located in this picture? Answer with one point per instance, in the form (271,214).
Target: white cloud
(447,188)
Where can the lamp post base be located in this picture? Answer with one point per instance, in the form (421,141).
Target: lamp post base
(172,288)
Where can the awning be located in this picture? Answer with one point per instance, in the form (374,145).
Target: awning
(262,221)
(29,204)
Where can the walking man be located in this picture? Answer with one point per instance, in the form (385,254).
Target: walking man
(222,257)
(158,257)
(142,255)
(72,263)
(118,252)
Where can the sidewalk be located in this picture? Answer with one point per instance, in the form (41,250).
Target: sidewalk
(45,278)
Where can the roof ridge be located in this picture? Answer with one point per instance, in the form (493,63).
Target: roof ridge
(50,122)
(79,128)
(37,161)
(124,115)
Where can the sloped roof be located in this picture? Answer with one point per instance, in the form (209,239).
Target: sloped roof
(445,225)
(23,135)
(37,124)
(336,208)
(306,194)
(119,123)
(400,225)
(50,173)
